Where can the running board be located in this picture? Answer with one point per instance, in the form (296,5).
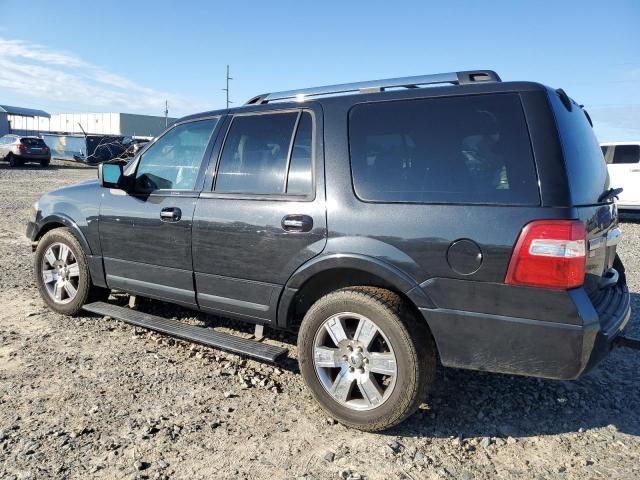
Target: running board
(190,333)
(627,342)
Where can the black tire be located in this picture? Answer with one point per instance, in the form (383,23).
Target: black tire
(13,162)
(409,338)
(45,163)
(86,291)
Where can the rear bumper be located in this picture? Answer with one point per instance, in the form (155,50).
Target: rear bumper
(541,345)
(613,319)
(33,157)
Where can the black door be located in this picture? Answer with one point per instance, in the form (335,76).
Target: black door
(265,216)
(146,233)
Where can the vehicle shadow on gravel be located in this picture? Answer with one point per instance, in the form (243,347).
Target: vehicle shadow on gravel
(477,404)
(244,329)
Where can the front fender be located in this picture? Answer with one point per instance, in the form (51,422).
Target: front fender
(37,229)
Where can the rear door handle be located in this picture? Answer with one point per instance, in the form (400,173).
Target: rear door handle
(297,223)
(171,214)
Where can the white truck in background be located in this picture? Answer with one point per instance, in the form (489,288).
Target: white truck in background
(623,162)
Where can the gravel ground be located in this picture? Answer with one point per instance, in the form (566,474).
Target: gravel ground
(91,397)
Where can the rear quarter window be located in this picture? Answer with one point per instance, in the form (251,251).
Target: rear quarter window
(584,162)
(466,149)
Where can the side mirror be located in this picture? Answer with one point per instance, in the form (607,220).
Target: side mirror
(110,175)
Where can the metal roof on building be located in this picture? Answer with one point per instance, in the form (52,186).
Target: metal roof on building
(23,112)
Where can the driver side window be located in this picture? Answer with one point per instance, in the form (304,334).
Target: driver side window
(173,162)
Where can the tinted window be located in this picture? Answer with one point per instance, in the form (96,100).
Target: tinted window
(586,168)
(173,162)
(254,156)
(299,180)
(32,142)
(471,149)
(626,154)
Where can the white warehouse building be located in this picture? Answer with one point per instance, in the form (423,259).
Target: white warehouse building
(126,124)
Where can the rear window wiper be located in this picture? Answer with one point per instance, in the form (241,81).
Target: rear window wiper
(611,193)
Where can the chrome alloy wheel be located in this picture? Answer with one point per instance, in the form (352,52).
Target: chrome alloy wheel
(60,273)
(354,361)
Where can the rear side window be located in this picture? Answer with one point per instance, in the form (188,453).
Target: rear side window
(261,155)
(626,154)
(472,149)
(585,165)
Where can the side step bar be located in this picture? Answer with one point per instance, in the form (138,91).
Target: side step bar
(191,333)
(628,342)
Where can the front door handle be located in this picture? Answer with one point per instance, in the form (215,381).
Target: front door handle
(171,214)
(297,223)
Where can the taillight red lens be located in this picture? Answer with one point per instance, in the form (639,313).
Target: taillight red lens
(22,147)
(549,254)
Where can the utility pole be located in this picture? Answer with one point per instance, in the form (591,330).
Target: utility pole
(166,114)
(227,89)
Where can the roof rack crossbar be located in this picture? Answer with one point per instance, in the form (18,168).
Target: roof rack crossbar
(370,86)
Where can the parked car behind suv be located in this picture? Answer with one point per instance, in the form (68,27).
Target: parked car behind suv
(18,150)
(623,162)
(471,223)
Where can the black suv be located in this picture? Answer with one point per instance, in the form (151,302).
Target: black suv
(393,227)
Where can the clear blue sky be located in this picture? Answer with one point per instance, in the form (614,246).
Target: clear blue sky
(129,56)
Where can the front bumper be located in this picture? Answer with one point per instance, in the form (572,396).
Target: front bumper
(32,230)
(542,345)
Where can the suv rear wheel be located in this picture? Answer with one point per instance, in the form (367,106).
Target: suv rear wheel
(366,359)
(62,273)
(13,161)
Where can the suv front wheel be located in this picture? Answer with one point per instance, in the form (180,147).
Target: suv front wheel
(366,359)
(62,273)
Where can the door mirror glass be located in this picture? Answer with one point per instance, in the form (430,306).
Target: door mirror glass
(110,175)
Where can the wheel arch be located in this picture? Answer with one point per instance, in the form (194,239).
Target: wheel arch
(328,273)
(58,221)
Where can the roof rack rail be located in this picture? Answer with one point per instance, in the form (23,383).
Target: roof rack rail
(373,86)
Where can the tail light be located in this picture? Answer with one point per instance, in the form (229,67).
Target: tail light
(549,254)
(45,149)
(22,147)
